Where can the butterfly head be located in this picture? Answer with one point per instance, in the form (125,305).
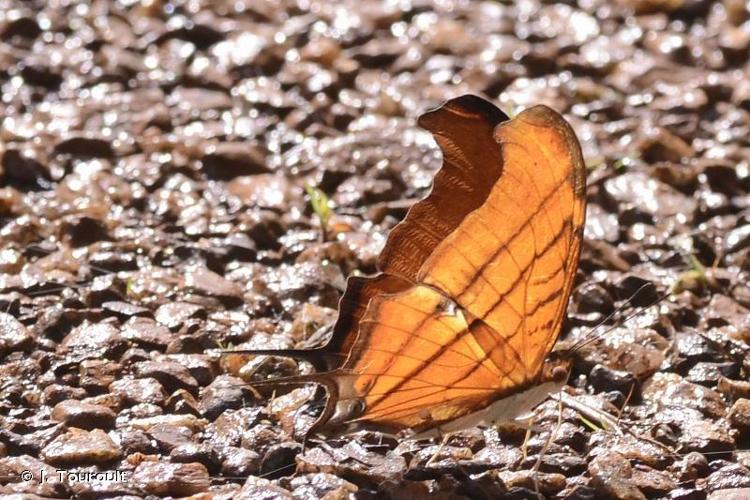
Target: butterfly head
(557,366)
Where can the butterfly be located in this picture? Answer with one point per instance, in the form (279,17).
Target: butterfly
(458,327)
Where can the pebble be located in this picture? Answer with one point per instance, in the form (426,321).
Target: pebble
(83,415)
(612,477)
(168,479)
(78,446)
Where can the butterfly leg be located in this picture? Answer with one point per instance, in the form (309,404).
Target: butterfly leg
(527,437)
(443,441)
(552,436)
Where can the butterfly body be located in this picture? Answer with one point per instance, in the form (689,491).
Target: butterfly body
(458,327)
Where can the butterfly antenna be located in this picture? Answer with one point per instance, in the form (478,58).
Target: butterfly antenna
(611,315)
(625,403)
(592,337)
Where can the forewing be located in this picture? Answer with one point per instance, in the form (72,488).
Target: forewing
(512,261)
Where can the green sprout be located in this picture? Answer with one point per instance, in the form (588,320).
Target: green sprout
(591,425)
(321,205)
(692,278)
(130,287)
(622,163)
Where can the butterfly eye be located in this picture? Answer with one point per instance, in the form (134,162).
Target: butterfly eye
(358,407)
(559,374)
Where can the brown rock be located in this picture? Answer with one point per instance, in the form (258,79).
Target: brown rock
(91,340)
(83,415)
(652,483)
(14,336)
(140,390)
(240,462)
(170,374)
(730,476)
(169,436)
(167,479)
(174,314)
(730,494)
(228,160)
(96,374)
(146,332)
(78,446)
(256,487)
(612,477)
(671,389)
(322,485)
(739,414)
(209,283)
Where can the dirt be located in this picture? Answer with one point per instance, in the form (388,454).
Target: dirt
(155,165)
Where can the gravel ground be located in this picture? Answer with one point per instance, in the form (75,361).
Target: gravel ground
(154,159)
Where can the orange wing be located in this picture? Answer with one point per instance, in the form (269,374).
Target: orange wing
(475,280)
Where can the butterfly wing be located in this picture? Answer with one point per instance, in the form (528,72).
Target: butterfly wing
(492,292)
(512,261)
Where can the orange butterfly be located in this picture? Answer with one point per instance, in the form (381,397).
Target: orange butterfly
(457,330)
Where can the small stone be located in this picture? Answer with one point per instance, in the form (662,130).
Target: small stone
(734,389)
(171,375)
(322,485)
(189,421)
(97,374)
(169,436)
(200,98)
(78,446)
(240,462)
(224,393)
(83,415)
(181,401)
(139,391)
(14,336)
(739,414)
(124,310)
(230,427)
(146,332)
(209,283)
(671,389)
(652,483)
(228,160)
(91,340)
(730,494)
(168,479)
(548,484)
(692,466)
(200,366)
(269,191)
(605,379)
(729,476)
(53,394)
(136,441)
(257,487)
(612,476)
(195,452)
(174,314)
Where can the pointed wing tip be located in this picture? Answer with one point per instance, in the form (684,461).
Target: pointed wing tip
(465,106)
